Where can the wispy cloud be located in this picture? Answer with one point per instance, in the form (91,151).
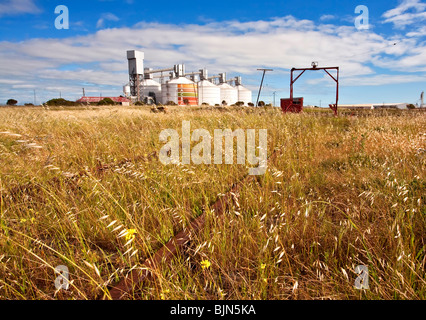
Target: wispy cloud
(327,17)
(383,79)
(17,7)
(408,12)
(106,17)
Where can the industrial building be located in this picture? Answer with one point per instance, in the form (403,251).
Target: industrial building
(181,88)
(374,106)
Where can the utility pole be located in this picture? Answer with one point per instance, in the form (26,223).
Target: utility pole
(274,98)
(261,82)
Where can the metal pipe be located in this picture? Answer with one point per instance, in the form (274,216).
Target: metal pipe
(159,70)
(192,73)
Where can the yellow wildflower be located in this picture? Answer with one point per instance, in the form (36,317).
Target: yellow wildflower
(162,295)
(263,266)
(130,234)
(205,264)
(23,220)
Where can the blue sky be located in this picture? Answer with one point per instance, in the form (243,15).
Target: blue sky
(384,63)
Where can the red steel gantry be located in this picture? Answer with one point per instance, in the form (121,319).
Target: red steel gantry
(296,104)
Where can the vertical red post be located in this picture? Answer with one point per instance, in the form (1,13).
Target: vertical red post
(291,86)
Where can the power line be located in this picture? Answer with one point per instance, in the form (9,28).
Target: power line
(261,82)
(370,51)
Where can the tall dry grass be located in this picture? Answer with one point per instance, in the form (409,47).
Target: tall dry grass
(342,192)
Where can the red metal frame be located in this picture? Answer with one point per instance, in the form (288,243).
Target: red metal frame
(289,105)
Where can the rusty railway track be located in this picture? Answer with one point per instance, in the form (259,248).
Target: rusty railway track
(177,244)
(165,254)
(97,171)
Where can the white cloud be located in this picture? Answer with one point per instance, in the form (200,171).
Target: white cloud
(326,17)
(421,32)
(16,7)
(382,79)
(237,48)
(414,62)
(106,17)
(408,12)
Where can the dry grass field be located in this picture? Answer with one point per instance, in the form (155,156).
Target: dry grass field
(84,188)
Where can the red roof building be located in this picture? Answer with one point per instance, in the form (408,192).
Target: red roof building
(97,99)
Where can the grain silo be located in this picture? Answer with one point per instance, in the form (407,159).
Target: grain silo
(181,91)
(207,92)
(151,89)
(126,90)
(228,93)
(244,94)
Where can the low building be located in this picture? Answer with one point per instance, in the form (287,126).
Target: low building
(374,106)
(391,105)
(88,100)
(355,106)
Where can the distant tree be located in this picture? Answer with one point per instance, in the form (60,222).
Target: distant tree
(11,102)
(224,103)
(239,103)
(411,106)
(250,104)
(28,104)
(61,102)
(106,102)
(261,103)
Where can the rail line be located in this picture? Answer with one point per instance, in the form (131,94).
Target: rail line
(136,277)
(96,171)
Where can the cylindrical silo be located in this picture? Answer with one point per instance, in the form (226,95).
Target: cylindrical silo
(181,91)
(126,90)
(244,94)
(151,88)
(208,93)
(228,93)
